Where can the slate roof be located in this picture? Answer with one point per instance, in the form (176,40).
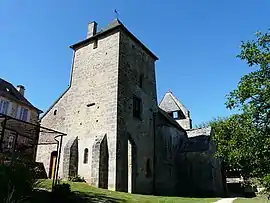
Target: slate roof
(110,27)
(199,139)
(9,91)
(170,103)
(199,132)
(170,119)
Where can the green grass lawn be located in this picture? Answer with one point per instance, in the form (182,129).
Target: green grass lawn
(93,194)
(252,200)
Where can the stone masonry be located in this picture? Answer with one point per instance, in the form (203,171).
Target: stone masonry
(98,103)
(117,135)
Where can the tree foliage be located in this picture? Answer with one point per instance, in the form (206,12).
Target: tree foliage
(252,97)
(235,137)
(252,94)
(243,140)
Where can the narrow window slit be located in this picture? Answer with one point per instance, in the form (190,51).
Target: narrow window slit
(91,104)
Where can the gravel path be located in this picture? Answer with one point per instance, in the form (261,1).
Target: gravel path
(226,200)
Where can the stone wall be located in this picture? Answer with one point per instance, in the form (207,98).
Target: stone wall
(112,148)
(89,106)
(186,166)
(70,158)
(205,173)
(170,168)
(135,64)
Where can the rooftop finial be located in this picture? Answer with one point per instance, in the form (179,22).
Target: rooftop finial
(116,14)
(169,90)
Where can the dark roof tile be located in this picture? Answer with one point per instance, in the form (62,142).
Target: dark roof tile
(110,27)
(8,90)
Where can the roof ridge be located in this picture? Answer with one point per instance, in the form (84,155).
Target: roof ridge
(177,101)
(116,23)
(171,95)
(14,93)
(6,81)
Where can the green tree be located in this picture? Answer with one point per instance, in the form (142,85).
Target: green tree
(235,137)
(252,97)
(243,140)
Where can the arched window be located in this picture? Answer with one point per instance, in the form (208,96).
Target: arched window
(85,157)
(55,112)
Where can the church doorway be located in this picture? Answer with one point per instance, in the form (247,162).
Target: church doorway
(103,164)
(53,164)
(132,173)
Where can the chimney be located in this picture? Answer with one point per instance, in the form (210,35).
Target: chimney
(92,29)
(21,89)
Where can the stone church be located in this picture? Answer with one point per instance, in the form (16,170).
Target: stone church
(118,137)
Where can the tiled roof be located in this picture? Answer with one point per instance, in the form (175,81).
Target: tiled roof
(8,90)
(199,132)
(170,103)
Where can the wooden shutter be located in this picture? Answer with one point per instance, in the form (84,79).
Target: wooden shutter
(28,115)
(18,112)
(9,108)
(1,105)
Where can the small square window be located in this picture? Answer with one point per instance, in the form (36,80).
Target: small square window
(95,44)
(137,107)
(175,114)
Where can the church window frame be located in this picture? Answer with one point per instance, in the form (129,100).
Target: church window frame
(85,156)
(137,107)
(175,114)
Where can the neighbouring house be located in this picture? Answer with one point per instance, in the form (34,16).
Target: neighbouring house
(118,137)
(19,121)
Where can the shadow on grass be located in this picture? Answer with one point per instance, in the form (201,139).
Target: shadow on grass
(91,197)
(73,197)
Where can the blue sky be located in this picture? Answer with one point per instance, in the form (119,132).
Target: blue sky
(196,42)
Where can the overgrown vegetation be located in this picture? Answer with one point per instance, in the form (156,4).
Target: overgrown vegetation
(76,178)
(243,139)
(17,179)
(61,193)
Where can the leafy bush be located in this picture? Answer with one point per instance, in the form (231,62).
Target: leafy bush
(63,188)
(265,182)
(61,192)
(76,178)
(17,179)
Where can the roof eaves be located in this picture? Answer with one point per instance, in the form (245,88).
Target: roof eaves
(139,42)
(102,32)
(55,102)
(21,99)
(173,122)
(109,29)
